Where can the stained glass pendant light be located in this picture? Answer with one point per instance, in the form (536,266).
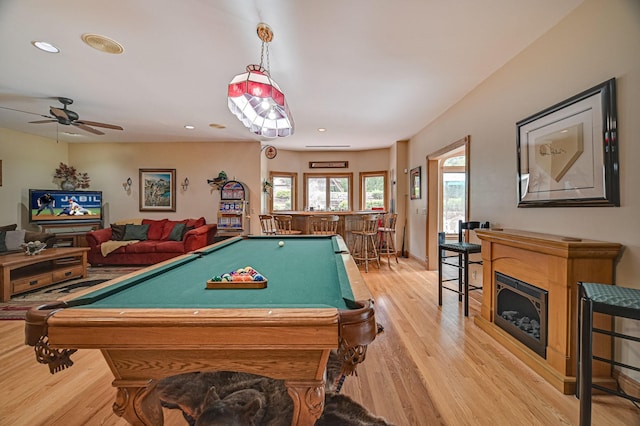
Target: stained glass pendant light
(257,100)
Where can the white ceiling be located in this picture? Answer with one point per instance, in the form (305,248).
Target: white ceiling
(369,71)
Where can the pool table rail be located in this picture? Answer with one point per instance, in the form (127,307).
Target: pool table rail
(144,345)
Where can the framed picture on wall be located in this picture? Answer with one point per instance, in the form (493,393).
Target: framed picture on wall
(414,178)
(158,190)
(568,153)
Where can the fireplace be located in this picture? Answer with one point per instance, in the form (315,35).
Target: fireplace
(521,310)
(553,264)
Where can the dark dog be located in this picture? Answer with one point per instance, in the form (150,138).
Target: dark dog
(242,399)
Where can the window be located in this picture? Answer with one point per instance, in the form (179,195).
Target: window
(453,193)
(373,190)
(283,191)
(328,192)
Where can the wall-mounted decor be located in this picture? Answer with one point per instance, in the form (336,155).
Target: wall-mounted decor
(328,164)
(414,179)
(568,153)
(157,190)
(270,152)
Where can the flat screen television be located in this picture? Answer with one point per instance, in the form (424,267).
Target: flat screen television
(59,206)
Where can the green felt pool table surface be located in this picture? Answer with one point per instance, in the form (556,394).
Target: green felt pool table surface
(306,272)
(162,321)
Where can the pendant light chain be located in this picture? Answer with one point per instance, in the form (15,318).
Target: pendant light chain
(268,67)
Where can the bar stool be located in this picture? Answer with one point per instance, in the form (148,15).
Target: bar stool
(609,300)
(387,233)
(283,225)
(364,241)
(461,249)
(267,224)
(324,225)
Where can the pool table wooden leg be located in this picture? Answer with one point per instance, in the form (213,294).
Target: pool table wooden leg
(308,400)
(139,405)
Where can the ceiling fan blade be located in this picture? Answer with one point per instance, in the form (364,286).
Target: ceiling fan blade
(87,128)
(43,121)
(26,112)
(96,124)
(58,113)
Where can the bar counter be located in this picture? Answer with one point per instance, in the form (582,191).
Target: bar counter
(348,220)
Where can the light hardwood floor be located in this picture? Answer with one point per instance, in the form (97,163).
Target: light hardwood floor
(431,366)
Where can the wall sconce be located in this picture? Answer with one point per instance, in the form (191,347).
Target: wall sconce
(185,184)
(127,185)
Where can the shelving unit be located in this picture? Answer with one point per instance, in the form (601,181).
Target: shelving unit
(68,235)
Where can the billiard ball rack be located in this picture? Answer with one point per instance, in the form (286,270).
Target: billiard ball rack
(216,285)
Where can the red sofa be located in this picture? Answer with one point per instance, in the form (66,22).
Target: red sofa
(155,246)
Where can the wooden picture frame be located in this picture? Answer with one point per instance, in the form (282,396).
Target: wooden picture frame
(328,164)
(157,190)
(415,178)
(568,153)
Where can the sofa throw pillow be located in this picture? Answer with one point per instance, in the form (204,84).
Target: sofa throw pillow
(168,227)
(117,232)
(14,239)
(135,232)
(155,228)
(3,246)
(178,231)
(11,227)
(196,223)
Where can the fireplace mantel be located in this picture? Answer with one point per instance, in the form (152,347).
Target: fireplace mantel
(555,264)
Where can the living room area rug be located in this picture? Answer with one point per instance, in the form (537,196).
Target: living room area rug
(19,304)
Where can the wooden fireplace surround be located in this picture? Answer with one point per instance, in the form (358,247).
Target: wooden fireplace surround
(555,264)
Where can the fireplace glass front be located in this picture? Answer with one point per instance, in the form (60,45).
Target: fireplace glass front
(521,310)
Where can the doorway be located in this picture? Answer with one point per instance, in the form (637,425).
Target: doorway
(447,193)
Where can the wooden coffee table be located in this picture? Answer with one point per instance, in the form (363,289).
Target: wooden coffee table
(20,273)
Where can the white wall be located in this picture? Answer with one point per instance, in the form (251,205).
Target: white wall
(596,42)
(27,162)
(110,164)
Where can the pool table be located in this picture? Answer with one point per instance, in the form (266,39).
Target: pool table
(162,321)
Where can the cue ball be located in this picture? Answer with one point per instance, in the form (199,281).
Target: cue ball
(281,243)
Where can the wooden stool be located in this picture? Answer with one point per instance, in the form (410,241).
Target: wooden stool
(610,300)
(283,225)
(387,233)
(324,225)
(267,224)
(365,241)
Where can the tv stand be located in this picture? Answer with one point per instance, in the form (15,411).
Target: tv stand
(20,273)
(70,235)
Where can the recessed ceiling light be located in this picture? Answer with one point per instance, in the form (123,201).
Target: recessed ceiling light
(102,43)
(322,129)
(71,134)
(47,47)
(217,126)
(189,127)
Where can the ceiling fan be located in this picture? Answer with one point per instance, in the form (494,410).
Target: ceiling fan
(67,117)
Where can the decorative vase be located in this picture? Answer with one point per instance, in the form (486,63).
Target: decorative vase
(67,185)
